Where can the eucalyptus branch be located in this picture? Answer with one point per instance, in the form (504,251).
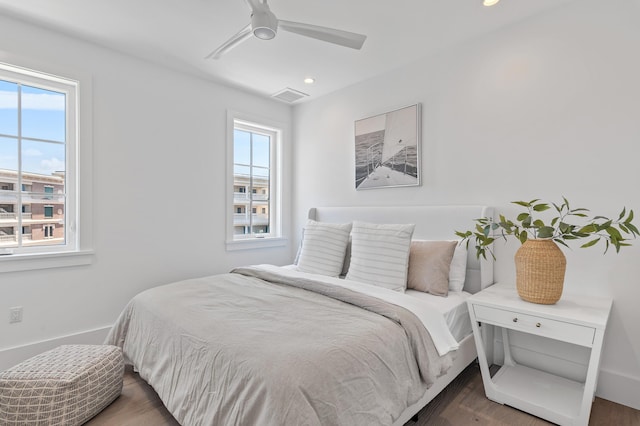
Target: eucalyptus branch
(598,228)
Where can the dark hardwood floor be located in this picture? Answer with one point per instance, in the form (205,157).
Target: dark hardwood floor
(462,403)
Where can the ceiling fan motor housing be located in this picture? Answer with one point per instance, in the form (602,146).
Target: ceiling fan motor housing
(264,24)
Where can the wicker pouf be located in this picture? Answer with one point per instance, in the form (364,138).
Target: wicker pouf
(64,386)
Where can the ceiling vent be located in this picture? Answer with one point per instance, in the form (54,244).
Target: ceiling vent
(289,95)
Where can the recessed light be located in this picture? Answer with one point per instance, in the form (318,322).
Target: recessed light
(309,80)
(489,2)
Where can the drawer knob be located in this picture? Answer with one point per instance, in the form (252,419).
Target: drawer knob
(515,319)
(538,324)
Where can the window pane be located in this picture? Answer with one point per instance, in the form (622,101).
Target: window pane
(43,114)
(241,171)
(8,194)
(43,196)
(8,215)
(260,172)
(8,108)
(261,150)
(8,155)
(241,147)
(7,237)
(43,158)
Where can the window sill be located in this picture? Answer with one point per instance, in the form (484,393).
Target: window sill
(29,262)
(256,243)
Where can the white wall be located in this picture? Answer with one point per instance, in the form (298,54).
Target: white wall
(157,195)
(545,108)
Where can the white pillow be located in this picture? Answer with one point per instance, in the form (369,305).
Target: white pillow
(323,248)
(380,254)
(458,268)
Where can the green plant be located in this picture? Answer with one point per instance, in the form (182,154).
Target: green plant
(558,229)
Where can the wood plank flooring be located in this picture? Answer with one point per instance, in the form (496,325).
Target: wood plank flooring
(462,403)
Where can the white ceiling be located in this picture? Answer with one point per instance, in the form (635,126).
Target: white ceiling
(180,33)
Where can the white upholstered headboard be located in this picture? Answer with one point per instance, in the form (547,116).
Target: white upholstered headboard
(432,223)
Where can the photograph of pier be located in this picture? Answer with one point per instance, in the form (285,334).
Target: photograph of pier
(387,149)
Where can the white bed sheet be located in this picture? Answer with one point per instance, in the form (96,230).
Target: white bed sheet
(431,319)
(453,308)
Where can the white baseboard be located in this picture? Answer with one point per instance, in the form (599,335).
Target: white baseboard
(15,355)
(619,388)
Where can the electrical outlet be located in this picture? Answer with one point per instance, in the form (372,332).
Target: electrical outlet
(15,314)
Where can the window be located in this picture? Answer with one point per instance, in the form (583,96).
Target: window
(38,137)
(254,165)
(48,231)
(48,190)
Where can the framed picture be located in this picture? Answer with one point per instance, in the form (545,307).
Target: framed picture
(388,149)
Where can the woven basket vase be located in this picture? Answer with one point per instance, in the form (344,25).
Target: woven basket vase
(540,267)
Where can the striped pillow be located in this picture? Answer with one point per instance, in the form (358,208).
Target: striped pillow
(323,248)
(380,254)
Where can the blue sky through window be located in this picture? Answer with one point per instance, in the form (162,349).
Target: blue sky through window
(242,153)
(43,118)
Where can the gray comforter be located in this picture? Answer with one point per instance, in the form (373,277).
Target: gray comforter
(254,347)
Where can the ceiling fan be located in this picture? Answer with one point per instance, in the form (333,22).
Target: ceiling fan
(264,25)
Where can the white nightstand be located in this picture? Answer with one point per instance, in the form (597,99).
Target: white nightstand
(580,320)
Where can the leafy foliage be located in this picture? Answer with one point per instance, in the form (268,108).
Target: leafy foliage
(527,225)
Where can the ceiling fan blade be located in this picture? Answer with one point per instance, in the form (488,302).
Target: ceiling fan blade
(244,34)
(343,38)
(253,4)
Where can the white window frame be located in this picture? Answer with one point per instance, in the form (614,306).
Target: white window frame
(76,250)
(275,237)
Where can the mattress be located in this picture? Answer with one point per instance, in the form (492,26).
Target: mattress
(453,308)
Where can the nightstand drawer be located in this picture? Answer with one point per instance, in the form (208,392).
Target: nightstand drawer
(559,330)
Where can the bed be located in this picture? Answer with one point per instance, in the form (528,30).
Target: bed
(275,345)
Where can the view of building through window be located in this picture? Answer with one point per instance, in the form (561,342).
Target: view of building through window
(33,140)
(251,181)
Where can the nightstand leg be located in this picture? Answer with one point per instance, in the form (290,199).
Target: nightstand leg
(591,379)
(482,360)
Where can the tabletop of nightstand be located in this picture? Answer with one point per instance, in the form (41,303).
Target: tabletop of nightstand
(587,310)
